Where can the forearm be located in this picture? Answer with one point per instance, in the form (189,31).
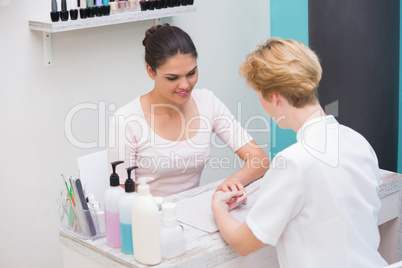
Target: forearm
(227,225)
(249,173)
(256,163)
(236,234)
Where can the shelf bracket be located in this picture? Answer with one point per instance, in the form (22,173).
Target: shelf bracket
(47,46)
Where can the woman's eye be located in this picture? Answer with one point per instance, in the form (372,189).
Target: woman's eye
(171,78)
(190,74)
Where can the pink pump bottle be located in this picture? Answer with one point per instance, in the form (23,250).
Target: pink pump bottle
(111,199)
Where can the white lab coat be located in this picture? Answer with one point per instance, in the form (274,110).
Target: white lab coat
(319,201)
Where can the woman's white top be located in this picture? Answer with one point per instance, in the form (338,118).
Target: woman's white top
(176,166)
(319,200)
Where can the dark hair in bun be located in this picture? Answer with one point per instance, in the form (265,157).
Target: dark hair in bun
(163,42)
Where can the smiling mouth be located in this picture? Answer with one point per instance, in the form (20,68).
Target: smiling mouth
(183,92)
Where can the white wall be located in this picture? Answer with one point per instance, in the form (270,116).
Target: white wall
(225,32)
(100,65)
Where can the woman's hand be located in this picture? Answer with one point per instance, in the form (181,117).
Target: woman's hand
(227,200)
(231,184)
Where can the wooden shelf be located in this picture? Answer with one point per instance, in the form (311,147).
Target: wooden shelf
(46,25)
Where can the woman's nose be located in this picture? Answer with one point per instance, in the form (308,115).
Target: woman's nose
(184,84)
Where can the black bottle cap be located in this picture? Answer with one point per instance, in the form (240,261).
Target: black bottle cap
(64,15)
(158,4)
(129,184)
(90,12)
(83,13)
(74,14)
(55,16)
(114,177)
(106,10)
(98,11)
(143,5)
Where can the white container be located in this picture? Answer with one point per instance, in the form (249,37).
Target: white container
(111,199)
(97,213)
(172,235)
(146,226)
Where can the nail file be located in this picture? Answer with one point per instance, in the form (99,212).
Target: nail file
(247,194)
(80,217)
(88,217)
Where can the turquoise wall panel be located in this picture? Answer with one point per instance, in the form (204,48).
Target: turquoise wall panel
(289,19)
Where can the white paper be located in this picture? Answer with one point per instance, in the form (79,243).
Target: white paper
(94,174)
(196,211)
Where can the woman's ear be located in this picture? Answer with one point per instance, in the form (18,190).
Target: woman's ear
(150,72)
(275,99)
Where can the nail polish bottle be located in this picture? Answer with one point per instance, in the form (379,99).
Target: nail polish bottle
(91,9)
(83,9)
(113,6)
(73,10)
(132,5)
(64,12)
(143,5)
(122,5)
(151,4)
(170,3)
(158,4)
(98,9)
(54,14)
(106,8)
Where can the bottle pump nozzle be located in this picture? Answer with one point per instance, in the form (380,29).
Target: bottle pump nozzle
(129,184)
(114,177)
(143,188)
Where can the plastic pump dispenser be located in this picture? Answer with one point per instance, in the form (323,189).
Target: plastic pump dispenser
(97,214)
(146,226)
(172,235)
(111,199)
(125,203)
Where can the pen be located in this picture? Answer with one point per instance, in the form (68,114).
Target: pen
(247,194)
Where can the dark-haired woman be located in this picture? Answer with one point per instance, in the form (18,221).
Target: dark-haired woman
(167,132)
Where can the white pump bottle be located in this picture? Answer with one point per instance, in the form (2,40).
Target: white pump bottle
(145,226)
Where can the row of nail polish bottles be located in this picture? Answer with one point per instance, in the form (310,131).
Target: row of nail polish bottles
(158,4)
(124,5)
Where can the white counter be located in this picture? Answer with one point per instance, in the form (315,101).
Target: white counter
(209,250)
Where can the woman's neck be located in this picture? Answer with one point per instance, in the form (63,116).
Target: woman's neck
(164,105)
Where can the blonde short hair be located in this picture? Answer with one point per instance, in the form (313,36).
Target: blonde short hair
(286,67)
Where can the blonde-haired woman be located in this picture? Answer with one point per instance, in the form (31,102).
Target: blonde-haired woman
(321,210)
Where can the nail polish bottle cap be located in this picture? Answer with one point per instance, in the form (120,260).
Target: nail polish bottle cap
(64,15)
(54,16)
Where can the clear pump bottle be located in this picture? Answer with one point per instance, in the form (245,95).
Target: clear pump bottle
(125,203)
(97,214)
